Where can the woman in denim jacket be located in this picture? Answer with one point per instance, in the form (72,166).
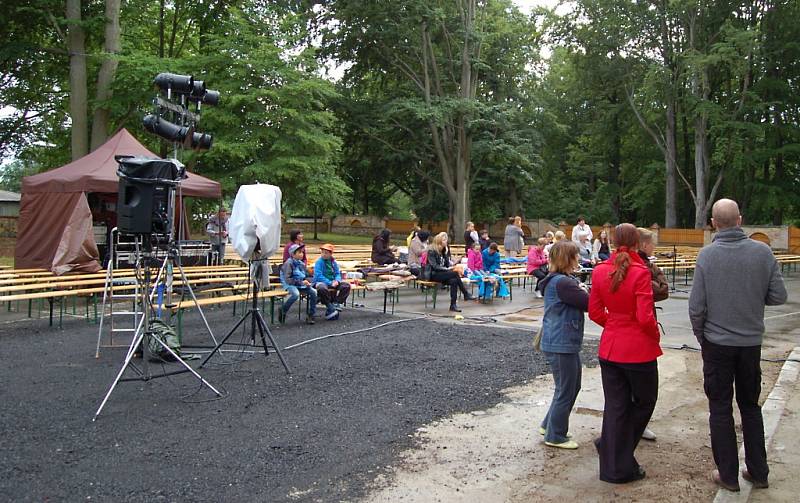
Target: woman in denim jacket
(565,301)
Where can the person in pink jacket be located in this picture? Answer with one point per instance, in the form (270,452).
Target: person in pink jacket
(621,301)
(538,263)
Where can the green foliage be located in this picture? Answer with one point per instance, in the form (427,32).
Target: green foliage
(549,139)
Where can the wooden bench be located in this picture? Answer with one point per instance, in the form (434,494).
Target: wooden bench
(272,295)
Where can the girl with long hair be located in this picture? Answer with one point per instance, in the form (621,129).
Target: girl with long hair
(621,301)
(439,270)
(562,337)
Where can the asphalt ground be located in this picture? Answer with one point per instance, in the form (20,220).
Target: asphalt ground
(323,433)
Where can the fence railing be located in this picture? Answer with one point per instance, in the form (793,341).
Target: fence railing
(685,237)
(794,239)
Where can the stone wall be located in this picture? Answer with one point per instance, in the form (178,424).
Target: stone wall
(361,225)
(777,237)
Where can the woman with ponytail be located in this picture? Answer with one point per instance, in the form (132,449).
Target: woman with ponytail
(621,301)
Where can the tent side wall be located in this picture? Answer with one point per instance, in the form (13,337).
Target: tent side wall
(42,220)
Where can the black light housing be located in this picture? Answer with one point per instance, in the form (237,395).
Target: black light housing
(165,129)
(209,97)
(182,84)
(201,141)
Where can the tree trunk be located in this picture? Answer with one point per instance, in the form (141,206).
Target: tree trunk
(78,101)
(105,77)
(701,170)
(671,188)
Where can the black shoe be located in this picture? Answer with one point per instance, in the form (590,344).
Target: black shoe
(757,484)
(454,308)
(639,474)
(310,320)
(718,480)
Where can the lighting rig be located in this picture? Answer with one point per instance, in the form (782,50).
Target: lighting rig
(172,118)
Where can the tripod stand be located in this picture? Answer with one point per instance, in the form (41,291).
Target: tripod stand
(256,321)
(144,335)
(675,269)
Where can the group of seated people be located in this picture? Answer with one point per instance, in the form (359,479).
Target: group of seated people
(325,285)
(427,259)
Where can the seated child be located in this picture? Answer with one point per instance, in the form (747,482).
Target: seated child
(487,281)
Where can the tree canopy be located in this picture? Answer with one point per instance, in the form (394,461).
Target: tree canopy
(443,109)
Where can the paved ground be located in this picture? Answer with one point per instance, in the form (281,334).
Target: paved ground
(495,455)
(351,405)
(414,411)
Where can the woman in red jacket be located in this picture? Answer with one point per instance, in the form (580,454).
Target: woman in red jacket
(621,302)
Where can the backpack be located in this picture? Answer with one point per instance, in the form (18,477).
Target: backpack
(166,333)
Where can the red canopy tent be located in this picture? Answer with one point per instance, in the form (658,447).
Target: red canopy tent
(55,222)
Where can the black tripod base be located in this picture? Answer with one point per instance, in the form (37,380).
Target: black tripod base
(256,322)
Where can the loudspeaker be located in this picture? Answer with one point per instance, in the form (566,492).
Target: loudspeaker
(142,208)
(144,193)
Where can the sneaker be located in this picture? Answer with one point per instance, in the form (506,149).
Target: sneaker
(310,320)
(454,308)
(537,294)
(543,432)
(338,306)
(648,434)
(757,484)
(333,315)
(569,444)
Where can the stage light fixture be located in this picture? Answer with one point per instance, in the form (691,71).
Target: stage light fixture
(201,141)
(165,129)
(209,97)
(181,84)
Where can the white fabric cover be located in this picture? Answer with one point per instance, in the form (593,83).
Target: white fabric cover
(256,217)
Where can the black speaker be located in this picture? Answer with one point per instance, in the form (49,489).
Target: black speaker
(144,193)
(142,208)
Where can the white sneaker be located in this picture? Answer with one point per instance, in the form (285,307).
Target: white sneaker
(648,434)
(332,315)
(538,294)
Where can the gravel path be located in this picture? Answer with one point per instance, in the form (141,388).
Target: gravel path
(321,434)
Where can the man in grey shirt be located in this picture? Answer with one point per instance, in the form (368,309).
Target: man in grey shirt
(735,277)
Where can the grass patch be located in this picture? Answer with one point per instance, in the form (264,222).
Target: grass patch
(337,239)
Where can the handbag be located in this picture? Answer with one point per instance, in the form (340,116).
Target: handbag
(537,337)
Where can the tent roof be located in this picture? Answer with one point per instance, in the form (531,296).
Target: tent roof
(97,172)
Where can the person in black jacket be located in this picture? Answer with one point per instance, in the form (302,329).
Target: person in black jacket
(382,252)
(438,266)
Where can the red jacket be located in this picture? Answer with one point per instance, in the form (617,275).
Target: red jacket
(630,331)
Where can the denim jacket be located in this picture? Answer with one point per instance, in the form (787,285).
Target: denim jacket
(562,323)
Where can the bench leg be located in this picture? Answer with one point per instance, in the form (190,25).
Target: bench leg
(435,291)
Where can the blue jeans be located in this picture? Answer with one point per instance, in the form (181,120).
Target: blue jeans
(294,294)
(567,371)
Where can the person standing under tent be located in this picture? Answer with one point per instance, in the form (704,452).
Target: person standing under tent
(217,230)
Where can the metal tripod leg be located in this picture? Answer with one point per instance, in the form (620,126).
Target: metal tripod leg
(263,328)
(224,340)
(196,304)
(135,343)
(108,284)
